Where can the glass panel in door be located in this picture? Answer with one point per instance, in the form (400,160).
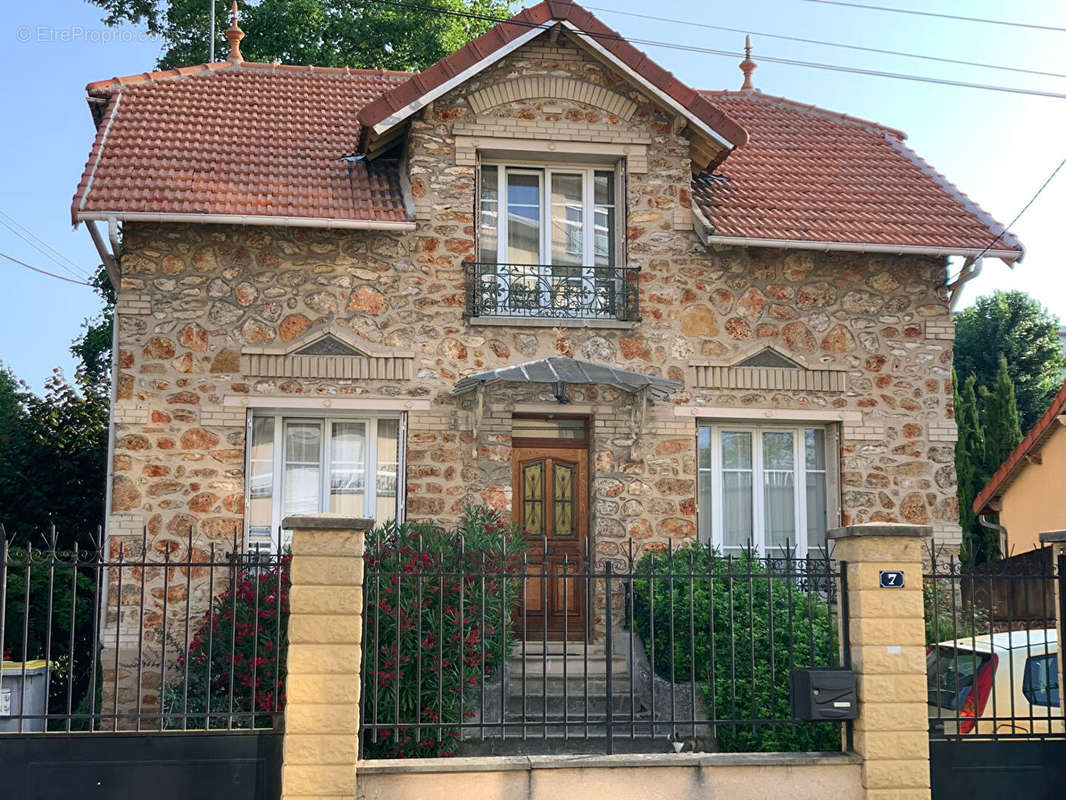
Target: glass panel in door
(347,469)
(303,468)
(736,489)
(779,491)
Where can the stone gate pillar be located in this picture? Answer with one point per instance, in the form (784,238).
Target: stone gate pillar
(323,665)
(886,626)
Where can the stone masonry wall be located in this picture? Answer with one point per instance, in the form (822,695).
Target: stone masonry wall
(193,296)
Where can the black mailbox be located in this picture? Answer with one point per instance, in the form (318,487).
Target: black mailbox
(823,694)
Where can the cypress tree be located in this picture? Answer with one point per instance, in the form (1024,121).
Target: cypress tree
(969,461)
(1003,429)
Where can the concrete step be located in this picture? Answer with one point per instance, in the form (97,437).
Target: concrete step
(557,665)
(572,684)
(533,705)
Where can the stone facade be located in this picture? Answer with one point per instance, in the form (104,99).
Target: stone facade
(193,297)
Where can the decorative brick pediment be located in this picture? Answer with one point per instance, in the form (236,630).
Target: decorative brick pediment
(555,88)
(330,351)
(767,368)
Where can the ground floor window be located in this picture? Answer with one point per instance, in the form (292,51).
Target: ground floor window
(765,486)
(303,465)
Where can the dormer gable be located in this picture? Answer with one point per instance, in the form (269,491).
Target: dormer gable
(712,133)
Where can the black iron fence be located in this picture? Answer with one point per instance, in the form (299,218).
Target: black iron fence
(168,635)
(553,291)
(476,651)
(992,658)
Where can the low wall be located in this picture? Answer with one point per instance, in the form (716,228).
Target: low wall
(682,776)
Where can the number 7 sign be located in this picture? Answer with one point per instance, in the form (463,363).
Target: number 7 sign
(891,579)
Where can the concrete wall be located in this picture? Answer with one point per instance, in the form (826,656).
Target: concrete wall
(682,776)
(1033,503)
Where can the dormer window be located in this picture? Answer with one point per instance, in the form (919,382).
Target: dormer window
(548,244)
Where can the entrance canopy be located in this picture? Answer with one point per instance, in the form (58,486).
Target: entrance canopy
(570,370)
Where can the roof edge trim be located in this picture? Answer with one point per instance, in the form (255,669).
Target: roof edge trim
(1007,256)
(334,223)
(99,153)
(425,99)
(649,86)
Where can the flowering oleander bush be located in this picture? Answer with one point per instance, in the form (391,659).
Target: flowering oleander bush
(438,625)
(236,658)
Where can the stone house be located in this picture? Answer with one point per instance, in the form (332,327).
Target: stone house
(542,275)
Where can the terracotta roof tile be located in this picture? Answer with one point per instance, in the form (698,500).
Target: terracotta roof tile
(1015,463)
(240,139)
(808,174)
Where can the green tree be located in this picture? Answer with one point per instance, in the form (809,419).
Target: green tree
(1002,427)
(53,447)
(969,458)
(327,33)
(1014,326)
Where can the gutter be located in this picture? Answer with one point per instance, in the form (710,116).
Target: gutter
(328,223)
(1008,256)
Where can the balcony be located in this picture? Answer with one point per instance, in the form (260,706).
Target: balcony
(551,292)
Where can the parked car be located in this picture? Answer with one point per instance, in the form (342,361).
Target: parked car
(1003,683)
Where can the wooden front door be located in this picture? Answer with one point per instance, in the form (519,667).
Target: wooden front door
(550,496)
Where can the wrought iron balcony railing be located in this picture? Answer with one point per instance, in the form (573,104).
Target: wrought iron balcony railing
(551,291)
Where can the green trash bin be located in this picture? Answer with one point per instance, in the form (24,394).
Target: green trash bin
(15,695)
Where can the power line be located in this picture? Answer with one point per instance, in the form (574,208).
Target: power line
(841,45)
(1025,208)
(731,53)
(984,20)
(45,272)
(39,244)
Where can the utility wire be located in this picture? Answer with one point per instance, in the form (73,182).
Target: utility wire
(730,53)
(823,43)
(39,244)
(44,271)
(1025,208)
(984,20)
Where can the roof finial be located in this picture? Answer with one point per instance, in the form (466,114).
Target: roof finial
(747,66)
(234,34)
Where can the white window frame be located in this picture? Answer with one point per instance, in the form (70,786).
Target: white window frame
(800,547)
(326,422)
(588,205)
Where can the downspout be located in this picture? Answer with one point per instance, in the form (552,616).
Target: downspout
(1004,541)
(971,268)
(111,264)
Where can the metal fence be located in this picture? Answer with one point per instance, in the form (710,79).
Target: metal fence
(992,659)
(547,290)
(476,652)
(173,635)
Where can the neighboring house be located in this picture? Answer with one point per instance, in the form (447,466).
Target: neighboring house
(543,275)
(1026,491)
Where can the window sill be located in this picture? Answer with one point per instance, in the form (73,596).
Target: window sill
(554,322)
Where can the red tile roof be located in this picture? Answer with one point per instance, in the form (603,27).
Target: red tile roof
(542,14)
(1016,461)
(268,140)
(246,139)
(811,175)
